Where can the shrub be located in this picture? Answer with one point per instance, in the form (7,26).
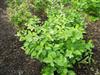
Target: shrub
(57,42)
(93,8)
(90,7)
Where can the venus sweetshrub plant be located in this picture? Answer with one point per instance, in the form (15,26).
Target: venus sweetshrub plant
(91,8)
(58,42)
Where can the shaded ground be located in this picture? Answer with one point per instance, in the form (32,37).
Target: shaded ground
(13,61)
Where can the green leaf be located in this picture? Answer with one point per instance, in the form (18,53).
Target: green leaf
(61,61)
(71,73)
(48,70)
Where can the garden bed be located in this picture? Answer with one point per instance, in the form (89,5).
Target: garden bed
(13,60)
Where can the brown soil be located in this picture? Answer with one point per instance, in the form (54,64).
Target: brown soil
(13,61)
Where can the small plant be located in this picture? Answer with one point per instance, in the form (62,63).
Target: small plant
(58,41)
(91,8)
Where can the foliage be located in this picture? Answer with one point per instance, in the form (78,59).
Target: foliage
(93,8)
(58,42)
(90,7)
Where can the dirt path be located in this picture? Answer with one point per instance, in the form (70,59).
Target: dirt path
(13,61)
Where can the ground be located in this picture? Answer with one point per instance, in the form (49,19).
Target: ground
(13,60)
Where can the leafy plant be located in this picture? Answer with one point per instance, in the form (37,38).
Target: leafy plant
(89,7)
(58,42)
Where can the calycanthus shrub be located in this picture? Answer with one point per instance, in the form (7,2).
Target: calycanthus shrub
(58,42)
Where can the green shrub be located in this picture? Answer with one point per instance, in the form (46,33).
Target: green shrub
(57,42)
(93,8)
(89,7)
